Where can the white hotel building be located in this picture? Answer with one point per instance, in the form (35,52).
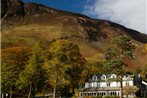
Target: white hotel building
(108,84)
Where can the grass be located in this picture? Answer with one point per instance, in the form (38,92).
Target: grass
(17,40)
(29,34)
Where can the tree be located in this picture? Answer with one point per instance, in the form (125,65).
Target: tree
(55,71)
(65,65)
(12,63)
(32,75)
(121,48)
(96,67)
(129,90)
(144,73)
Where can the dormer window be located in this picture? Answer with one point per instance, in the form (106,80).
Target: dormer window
(94,78)
(103,77)
(113,76)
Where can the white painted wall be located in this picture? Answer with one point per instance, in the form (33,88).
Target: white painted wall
(103,84)
(112,84)
(86,85)
(127,81)
(94,84)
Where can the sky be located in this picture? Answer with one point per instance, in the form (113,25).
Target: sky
(68,5)
(130,13)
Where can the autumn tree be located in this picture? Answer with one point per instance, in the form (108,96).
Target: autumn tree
(32,76)
(55,72)
(129,90)
(121,48)
(64,65)
(144,73)
(12,63)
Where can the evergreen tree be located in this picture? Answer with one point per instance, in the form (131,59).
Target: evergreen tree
(121,48)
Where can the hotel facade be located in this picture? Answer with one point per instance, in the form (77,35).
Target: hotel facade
(109,85)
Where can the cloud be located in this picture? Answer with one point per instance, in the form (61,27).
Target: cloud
(130,13)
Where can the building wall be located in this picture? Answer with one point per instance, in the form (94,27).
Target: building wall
(108,84)
(99,93)
(101,86)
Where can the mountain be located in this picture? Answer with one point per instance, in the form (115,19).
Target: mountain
(25,23)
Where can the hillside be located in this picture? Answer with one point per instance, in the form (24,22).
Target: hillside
(25,23)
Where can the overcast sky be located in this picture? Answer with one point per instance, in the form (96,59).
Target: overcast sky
(130,13)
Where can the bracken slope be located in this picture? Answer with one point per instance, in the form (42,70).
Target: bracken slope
(25,23)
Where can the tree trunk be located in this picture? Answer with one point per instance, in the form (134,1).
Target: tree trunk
(33,90)
(121,87)
(4,17)
(73,90)
(10,95)
(30,90)
(127,96)
(54,92)
(2,95)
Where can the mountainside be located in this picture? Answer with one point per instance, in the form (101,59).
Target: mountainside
(25,23)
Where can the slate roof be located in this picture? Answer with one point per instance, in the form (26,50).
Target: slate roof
(89,78)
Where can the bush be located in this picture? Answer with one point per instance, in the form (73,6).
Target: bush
(111,97)
(98,97)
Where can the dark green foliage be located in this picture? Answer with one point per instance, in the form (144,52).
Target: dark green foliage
(115,66)
(121,48)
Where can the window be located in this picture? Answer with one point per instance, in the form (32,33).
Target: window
(94,84)
(127,84)
(103,77)
(103,93)
(82,94)
(108,84)
(98,94)
(118,93)
(94,78)
(86,94)
(113,93)
(113,76)
(98,84)
(94,94)
(90,85)
(86,85)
